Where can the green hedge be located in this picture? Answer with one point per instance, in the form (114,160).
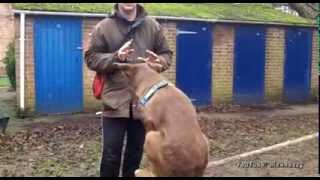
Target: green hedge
(10,62)
(4,82)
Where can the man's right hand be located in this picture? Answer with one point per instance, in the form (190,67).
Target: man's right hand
(125,50)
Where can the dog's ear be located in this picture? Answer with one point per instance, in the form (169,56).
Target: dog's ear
(123,66)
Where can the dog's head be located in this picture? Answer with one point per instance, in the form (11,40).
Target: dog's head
(136,73)
(139,74)
(132,70)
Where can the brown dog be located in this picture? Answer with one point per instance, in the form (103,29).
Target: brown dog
(174,143)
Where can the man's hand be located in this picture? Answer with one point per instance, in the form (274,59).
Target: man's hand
(125,50)
(155,66)
(152,60)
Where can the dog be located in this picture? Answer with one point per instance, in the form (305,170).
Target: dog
(174,143)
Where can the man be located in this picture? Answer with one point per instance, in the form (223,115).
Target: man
(147,43)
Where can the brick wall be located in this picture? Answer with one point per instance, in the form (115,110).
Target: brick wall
(314,69)
(274,63)
(6,32)
(222,71)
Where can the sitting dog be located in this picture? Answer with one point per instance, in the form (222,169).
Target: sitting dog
(174,143)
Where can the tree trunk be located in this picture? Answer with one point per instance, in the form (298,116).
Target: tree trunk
(306,10)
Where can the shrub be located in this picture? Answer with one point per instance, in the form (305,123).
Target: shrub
(10,62)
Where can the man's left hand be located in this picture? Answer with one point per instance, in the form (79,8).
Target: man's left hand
(152,60)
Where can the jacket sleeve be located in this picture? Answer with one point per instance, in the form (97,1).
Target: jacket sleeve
(97,56)
(163,50)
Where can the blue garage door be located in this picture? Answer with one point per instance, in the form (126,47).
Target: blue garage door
(58,64)
(249,63)
(194,61)
(297,64)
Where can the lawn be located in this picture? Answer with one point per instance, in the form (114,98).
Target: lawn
(4,82)
(221,11)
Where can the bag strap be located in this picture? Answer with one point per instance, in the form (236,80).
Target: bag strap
(131,30)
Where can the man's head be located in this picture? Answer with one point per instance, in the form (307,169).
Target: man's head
(128,10)
(127,7)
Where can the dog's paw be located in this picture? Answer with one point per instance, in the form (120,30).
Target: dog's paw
(138,173)
(143,173)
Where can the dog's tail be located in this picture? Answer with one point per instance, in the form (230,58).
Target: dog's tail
(207,152)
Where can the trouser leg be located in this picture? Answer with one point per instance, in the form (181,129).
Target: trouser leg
(113,134)
(134,147)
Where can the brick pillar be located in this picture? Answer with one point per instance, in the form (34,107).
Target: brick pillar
(315,68)
(169,29)
(29,66)
(222,71)
(6,32)
(90,103)
(17,55)
(274,65)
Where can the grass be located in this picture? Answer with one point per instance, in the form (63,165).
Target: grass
(4,82)
(222,11)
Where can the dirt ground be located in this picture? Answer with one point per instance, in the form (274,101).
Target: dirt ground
(70,145)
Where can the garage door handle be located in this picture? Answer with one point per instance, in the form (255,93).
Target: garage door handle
(79,48)
(186,32)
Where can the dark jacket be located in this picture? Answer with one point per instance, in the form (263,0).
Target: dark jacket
(106,39)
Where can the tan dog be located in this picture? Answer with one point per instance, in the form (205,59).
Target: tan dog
(174,143)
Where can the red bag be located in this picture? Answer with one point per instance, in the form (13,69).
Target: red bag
(97,85)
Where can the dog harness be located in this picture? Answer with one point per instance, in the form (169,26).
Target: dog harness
(144,99)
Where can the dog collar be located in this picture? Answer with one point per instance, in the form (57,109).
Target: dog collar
(143,101)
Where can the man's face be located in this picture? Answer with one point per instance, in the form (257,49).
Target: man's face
(127,7)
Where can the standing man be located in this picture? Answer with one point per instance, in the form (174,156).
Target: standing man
(110,44)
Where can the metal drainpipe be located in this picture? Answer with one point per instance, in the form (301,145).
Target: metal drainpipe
(318,39)
(22,62)
(318,19)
